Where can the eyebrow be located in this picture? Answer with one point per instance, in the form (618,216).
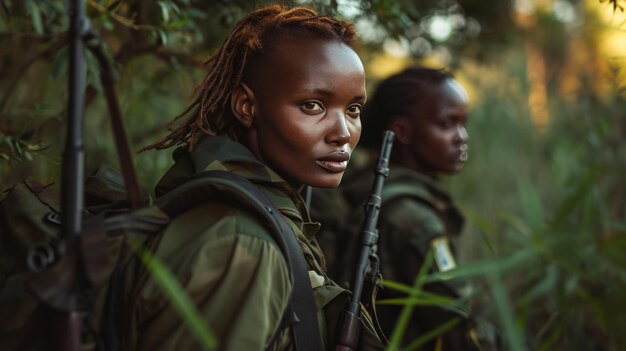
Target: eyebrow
(326,92)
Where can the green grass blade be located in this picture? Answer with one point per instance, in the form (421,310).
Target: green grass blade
(532,205)
(507,316)
(422,340)
(480,268)
(405,315)
(397,286)
(487,228)
(573,200)
(178,298)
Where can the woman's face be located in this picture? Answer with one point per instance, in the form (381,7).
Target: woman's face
(439,139)
(307,102)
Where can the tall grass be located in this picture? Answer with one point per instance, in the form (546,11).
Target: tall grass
(547,220)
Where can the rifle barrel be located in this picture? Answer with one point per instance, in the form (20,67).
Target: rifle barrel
(74,154)
(72,174)
(350,327)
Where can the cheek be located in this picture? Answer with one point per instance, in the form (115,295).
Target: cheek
(432,142)
(440,136)
(355,132)
(288,127)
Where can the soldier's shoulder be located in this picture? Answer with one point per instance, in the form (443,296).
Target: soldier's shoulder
(411,214)
(214,221)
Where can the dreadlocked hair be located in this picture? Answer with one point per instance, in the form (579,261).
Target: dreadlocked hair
(396,96)
(246,44)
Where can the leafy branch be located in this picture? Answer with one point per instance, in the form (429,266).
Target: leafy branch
(615,3)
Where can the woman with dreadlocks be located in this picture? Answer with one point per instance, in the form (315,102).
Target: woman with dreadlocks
(279,106)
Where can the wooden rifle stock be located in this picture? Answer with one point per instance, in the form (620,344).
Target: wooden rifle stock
(350,323)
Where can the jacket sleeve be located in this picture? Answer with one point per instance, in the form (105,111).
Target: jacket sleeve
(407,232)
(237,279)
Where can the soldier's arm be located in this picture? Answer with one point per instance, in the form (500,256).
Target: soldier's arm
(237,279)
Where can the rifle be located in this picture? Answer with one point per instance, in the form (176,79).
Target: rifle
(350,324)
(66,319)
(61,278)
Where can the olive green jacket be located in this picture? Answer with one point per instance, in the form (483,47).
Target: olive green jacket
(237,278)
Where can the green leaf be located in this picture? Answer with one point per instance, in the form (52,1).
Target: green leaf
(544,286)
(162,36)
(573,200)
(548,344)
(397,286)
(458,306)
(59,65)
(35,16)
(165,12)
(195,13)
(431,334)
(480,268)
(106,22)
(5,9)
(518,225)
(531,205)
(487,227)
(507,316)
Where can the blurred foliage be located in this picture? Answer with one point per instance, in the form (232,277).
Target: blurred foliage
(158,49)
(549,206)
(544,188)
(615,3)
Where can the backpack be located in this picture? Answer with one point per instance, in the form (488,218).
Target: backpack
(30,223)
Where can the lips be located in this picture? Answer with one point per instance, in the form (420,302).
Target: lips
(461,153)
(336,162)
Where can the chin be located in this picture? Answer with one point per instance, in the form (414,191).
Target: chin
(326,181)
(457,168)
(449,169)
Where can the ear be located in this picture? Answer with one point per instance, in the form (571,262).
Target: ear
(242,103)
(401,126)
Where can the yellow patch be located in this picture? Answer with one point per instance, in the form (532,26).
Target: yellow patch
(443,255)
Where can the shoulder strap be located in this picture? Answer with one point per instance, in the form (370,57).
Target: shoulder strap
(301,311)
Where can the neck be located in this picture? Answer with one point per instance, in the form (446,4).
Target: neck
(251,143)
(404,159)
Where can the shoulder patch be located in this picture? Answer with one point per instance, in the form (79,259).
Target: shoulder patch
(443,254)
(317,280)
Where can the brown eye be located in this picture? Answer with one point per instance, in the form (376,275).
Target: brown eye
(445,124)
(312,107)
(354,111)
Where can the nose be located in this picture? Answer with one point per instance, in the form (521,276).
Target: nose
(461,135)
(338,134)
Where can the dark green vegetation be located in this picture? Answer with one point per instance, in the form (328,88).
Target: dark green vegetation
(544,190)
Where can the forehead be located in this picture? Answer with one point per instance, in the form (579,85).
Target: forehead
(310,61)
(451,91)
(437,97)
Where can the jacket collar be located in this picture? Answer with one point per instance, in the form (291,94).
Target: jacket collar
(222,153)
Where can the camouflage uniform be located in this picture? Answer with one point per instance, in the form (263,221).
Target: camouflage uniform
(416,216)
(238,280)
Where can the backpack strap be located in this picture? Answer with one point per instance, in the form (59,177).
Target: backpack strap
(301,311)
